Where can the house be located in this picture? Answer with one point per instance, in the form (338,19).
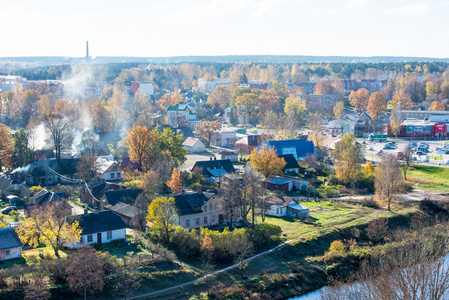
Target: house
(214,169)
(125,196)
(45,197)
(97,188)
(208,86)
(10,244)
(185,131)
(130,214)
(299,148)
(180,115)
(194,145)
(197,210)
(43,172)
(224,138)
(43,154)
(277,184)
(11,186)
(292,165)
(279,206)
(98,227)
(241,116)
(229,154)
(340,126)
(248,143)
(128,164)
(108,169)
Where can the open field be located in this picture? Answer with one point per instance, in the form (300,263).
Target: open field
(429,178)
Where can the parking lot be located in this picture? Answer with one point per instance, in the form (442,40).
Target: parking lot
(374,148)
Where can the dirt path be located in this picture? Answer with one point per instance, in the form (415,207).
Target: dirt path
(156,293)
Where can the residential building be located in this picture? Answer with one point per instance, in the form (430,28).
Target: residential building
(318,101)
(130,214)
(229,154)
(241,115)
(197,210)
(43,172)
(146,88)
(426,115)
(11,186)
(254,84)
(278,184)
(127,196)
(45,197)
(10,244)
(279,206)
(97,189)
(292,165)
(208,86)
(108,169)
(224,138)
(248,143)
(340,126)
(98,227)
(299,148)
(194,145)
(373,85)
(180,115)
(214,169)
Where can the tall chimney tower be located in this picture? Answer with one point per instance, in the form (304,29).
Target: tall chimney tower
(87,50)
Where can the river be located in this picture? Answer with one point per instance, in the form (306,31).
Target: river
(315,295)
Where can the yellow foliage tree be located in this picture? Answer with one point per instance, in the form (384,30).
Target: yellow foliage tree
(175,183)
(347,155)
(436,106)
(142,144)
(207,129)
(163,215)
(376,105)
(401,101)
(359,99)
(266,161)
(48,225)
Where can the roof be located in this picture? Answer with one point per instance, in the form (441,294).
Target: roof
(190,141)
(278,200)
(224,164)
(278,181)
(126,209)
(216,172)
(292,163)
(125,196)
(185,131)
(127,163)
(44,197)
(98,187)
(6,181)
(98,222)
(104,164)
(186,203)
(300,147)
(300,208)
(9,238)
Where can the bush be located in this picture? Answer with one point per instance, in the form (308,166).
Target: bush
(265,234)
(14,215)
(337,246)
(35,189)
(370,202)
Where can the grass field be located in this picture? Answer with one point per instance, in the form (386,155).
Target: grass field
(323,213)
(429,178)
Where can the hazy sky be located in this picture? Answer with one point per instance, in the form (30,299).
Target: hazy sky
(224,27)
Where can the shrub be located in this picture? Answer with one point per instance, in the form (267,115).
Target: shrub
(377,230)
(35,189)
(265,234)
(14,215)
(370,202)
(337,246)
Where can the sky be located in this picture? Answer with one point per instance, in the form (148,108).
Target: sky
(162,28)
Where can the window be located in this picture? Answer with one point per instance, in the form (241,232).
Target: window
(117,175)
(205,207)
(187,223)
(109,235)
(82,240)
(216,206)
(210,207)
(7,252)
(205,220)
(89,238)
(197,221)
(112,175)
(213,219)
(277,211)
(114,168)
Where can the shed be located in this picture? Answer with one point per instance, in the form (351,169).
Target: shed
(10,244)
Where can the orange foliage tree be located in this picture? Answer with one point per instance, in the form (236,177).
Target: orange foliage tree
(377,105)
(141,143)
(266,161)
(175,183)
(359,99)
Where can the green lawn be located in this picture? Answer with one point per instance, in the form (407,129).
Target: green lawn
(437,157)
(323,213)
(429,178)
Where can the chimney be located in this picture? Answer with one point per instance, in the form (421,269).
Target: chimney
(215,158)
(87,50)
(211,158)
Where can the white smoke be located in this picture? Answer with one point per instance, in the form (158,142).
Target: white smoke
(38,138)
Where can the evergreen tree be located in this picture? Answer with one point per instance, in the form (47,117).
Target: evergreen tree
(233,117)
(21,154)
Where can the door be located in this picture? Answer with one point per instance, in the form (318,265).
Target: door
(99,238)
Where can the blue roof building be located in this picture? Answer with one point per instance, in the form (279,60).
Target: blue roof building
(299,148)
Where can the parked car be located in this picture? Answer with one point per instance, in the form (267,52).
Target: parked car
(8,209)
(424,158)
(421,153)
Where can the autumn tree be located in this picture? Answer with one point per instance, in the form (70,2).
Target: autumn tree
(207,251)
(395,122)
(85,271)
(220,98)
(338,109)
(142,146)
(175,183)
(170,141)
(102,118)
(37,289)
(388,179)
(401,101)
(266,161)
(151,184)
(347,156)
(21,154)
(324,86)
(296,107)
(6,146)
(315,130)
(377,106)
(359,99)
(163,214)
(408,159)
(436,105)
(248,102)
(206,130)
(48,225)
(268,101)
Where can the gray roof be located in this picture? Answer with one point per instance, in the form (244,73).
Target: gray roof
(98,222)
(9,238)
(190,141)
(126,210)
(125,196)
(188,204)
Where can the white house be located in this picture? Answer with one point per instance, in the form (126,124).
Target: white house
(224,138)
(99,227)
(108,169)
(180,115)
(194,145)
(10,244)
(279,206)
(340,126)
(208,86)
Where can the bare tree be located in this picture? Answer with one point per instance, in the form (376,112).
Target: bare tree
(60,130)
(408,160)
(388,179)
